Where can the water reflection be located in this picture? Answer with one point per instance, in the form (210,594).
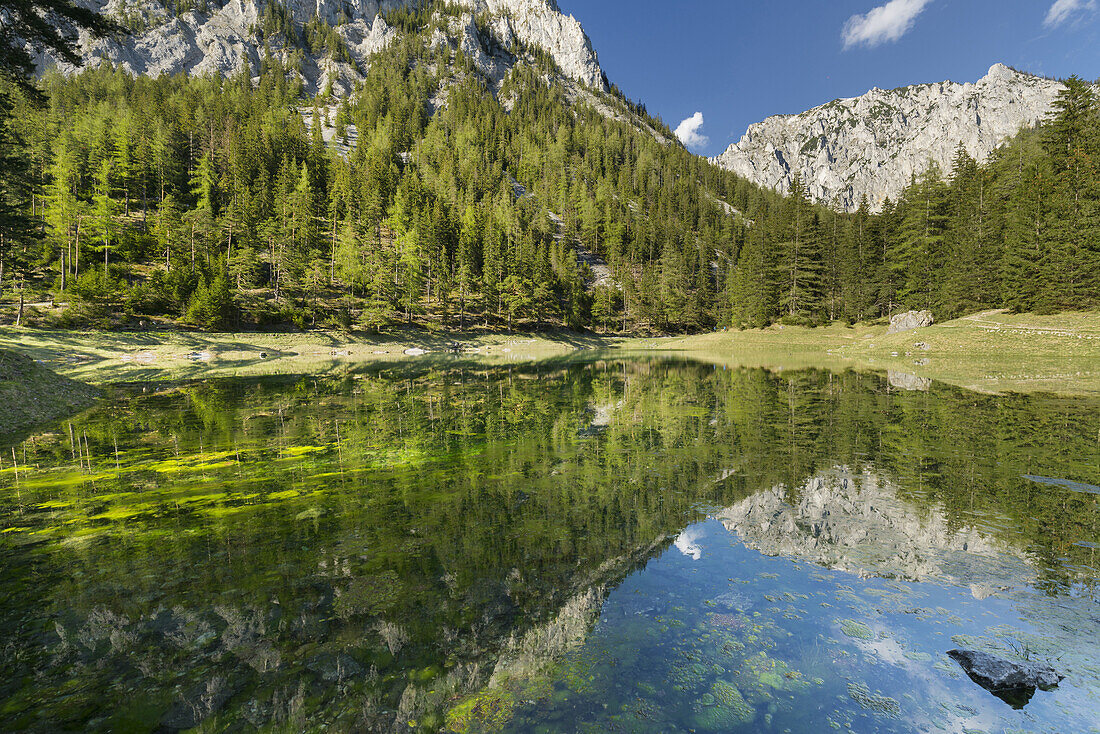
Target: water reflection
(418,550)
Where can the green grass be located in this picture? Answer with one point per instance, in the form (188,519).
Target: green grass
(988,352)
(112,357)
(32,394)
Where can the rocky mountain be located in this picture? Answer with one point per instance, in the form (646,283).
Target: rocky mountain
(872,145)
(219,39)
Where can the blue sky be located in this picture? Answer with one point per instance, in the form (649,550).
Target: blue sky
(734,62)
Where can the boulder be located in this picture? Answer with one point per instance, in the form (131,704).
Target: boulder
(1013,683)
(910,320)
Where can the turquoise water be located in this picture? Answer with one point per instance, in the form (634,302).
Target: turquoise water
(646,546)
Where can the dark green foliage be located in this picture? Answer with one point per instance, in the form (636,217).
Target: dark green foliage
(211,303)
(44,25)
(47,26)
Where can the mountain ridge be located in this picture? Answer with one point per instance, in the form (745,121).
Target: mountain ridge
(211,39)
(873,144)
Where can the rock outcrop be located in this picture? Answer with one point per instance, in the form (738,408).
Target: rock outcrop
(910,320)
(225,37)
(872,145)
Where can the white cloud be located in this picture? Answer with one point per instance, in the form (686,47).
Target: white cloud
(1063,10)
(887,22)
(689,134)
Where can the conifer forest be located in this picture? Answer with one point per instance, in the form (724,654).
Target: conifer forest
(241,202)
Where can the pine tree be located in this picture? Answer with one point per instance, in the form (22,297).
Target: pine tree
(18,228)
(800,263)
(1073,222)
(104,209)
(918,244)
(202,219)
(63,209)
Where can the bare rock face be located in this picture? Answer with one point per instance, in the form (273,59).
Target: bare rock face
(541,23)
(1014,683)
(910,320)
(222,39)
(872,145)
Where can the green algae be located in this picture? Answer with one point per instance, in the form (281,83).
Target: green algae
(721,709)
(879,704)
(856,630)
(487,711)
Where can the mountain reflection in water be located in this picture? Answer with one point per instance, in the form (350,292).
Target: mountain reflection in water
(528,549)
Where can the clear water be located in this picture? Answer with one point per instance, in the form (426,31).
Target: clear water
(648,546)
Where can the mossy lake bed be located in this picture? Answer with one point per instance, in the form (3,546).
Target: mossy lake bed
(597,540)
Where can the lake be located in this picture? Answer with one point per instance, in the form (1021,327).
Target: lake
(591,546)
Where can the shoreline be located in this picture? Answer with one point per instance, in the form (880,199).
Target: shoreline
(988,352)
(35,395)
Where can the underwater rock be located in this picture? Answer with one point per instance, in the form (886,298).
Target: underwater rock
(488,710)
(856,630)
(1013,683)
(687,675)
(200,702)
(334,668)
(733,600)
(722,709)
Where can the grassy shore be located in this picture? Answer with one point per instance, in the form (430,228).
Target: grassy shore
(112,357)
(989,352)
(32,394)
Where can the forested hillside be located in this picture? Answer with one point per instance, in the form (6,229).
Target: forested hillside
(443,200)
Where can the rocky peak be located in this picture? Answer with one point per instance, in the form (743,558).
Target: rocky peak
(218,39)
(873,144)
(541,23)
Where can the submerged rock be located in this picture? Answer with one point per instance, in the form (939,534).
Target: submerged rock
(733,601)
(1013,683)
(721,709)
(880,704)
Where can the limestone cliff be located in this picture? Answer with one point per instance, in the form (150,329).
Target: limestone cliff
(872,145)
(223,36)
